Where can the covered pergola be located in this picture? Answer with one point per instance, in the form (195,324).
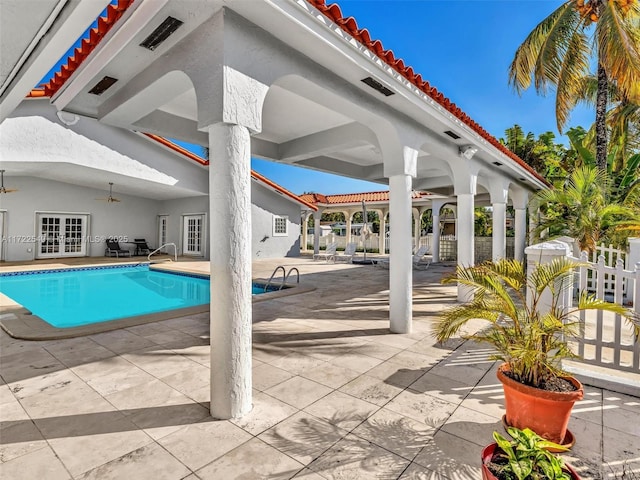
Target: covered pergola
(378,202)
(294,82)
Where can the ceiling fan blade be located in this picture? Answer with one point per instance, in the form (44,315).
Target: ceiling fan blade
(8,190)
(111,199)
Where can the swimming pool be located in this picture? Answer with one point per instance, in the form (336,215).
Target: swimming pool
(83,296)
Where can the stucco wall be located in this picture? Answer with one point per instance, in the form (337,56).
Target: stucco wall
(264,205)
(133,217)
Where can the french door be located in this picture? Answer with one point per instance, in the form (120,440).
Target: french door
(163,221)
(61,235)
(192,234)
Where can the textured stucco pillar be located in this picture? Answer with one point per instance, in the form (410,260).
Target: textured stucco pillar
(400,268)
(317,215)
(436,206)
(417,227)
(435,237)
(382,247)
(520,233)
(348,217)
(465,237)
(230,236)
(305,229)
(499,234)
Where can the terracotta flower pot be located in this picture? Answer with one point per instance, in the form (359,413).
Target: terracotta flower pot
(546,413)
(487,455)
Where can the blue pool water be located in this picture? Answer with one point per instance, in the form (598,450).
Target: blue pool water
(71,298)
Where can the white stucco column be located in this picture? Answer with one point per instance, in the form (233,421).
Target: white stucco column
(305,228)
(499,232)
(499,193)
(382,240)
(465,232)
(348,217)
(417,226)
(435,245)
(520,233)
(465,183)
(230,235)
(317,215)
(400,269)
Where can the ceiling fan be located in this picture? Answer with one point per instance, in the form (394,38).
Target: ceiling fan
(2,188)
(110,198)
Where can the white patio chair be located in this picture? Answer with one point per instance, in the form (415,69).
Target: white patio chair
(347,255)
(328,254)
(416,260)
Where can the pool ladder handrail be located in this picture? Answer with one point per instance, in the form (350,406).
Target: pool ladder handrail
(285,276)
(175,251)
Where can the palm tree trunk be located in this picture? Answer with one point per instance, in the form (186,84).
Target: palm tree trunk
(601,124)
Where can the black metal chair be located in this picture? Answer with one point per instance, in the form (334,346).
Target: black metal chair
(141,246)
(114,249)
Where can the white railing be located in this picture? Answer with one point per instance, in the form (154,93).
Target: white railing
(611,257)
(175,251)
(606,339)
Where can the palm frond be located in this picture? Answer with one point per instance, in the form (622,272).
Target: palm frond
(574,67)
(618,42)
(540,53)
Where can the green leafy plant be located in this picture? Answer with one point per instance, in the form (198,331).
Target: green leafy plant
(527,457)
(529,338)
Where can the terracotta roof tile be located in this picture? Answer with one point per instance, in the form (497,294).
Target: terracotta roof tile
(350,26)
(355,198)
(114,12)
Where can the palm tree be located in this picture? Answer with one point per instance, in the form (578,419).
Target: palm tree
(582,208)
(559,51)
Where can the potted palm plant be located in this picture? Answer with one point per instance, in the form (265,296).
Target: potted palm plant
(529,335)
(527,457)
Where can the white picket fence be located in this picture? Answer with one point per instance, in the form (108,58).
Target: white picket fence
(611,257)
(606,339)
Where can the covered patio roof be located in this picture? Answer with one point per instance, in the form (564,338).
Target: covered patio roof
(304,121)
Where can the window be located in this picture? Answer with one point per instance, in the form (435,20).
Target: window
(280,226)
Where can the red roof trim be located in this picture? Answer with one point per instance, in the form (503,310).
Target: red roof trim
(355,198)
(283,190)
(205,162)
(114,12)
(178,148)
(350,26)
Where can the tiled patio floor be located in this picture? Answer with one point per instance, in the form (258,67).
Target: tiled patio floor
(336,396)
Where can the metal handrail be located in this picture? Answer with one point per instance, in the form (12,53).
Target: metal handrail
(297,275)
(284,274)
(175,251)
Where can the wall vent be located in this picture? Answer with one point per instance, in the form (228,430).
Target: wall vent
(103,85)
(376,85)
(161,33)
(453,135)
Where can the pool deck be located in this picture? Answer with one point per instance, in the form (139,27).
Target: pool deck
(336,396)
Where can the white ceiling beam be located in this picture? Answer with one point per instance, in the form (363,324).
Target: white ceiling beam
(327,142)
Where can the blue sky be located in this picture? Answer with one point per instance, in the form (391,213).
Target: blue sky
(463,48)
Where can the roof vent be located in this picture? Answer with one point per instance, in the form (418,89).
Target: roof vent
(103,85)
(376,85)
(453,135)
(497,164)
(161,33)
